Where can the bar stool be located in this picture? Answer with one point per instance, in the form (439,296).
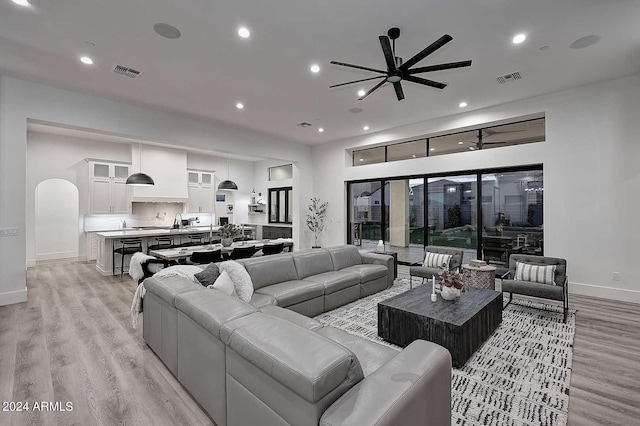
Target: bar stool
(160,243)
(128,246)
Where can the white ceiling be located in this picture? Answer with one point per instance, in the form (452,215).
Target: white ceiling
(209,69)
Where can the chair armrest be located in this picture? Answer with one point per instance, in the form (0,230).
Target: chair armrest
(505,275)
(413,388)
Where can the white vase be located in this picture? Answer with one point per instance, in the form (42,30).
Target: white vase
(227,242)
(449,293)
(380,247)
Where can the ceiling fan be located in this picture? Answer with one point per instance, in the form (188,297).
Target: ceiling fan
(398,71)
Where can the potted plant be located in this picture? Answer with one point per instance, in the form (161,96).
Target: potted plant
(227,232)
(316,217)
(452,284)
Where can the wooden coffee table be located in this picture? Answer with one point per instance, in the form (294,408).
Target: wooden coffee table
(461,326)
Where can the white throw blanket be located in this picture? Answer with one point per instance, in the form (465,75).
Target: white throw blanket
(135,266)
(136,306)
(186,271)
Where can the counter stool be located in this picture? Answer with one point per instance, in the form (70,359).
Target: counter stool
(194,240)
(128,246)
(160,243)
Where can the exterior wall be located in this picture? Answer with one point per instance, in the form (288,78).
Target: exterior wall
(591,174)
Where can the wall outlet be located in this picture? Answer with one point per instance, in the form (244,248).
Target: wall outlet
(615,276)
(9,232)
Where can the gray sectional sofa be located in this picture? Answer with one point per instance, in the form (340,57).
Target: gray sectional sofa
(266,363)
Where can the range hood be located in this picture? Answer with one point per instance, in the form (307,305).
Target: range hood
(167,167)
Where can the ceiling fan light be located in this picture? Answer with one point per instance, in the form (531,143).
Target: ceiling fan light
(139,179)
(227,185)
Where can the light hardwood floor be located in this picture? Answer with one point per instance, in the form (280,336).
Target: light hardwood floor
(73,341)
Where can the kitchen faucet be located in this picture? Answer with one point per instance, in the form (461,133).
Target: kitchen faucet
(176,224)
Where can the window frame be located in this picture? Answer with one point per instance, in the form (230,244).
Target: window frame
(275,192)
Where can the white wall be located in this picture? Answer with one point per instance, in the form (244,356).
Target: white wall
(57,227)
(54,156)
(591,174)
(21,100)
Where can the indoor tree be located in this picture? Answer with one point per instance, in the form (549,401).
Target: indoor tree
(316,217)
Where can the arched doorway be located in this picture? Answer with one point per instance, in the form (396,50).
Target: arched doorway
(57,212)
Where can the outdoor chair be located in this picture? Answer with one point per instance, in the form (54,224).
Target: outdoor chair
(556,290)
(432,271)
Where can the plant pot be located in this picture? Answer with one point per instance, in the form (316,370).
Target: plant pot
(226,242)
(449,293)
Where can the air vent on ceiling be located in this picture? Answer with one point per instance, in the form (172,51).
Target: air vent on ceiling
(304,124)
(126,71)
(509,77)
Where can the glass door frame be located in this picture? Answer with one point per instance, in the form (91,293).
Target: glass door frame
(426,177)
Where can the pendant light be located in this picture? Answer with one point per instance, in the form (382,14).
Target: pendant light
(140,179)
(227,185)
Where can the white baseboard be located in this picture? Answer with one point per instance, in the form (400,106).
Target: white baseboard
(63,255)
(12,297)
(603,292)
(31,263)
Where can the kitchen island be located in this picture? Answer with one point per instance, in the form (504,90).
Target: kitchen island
(106,241)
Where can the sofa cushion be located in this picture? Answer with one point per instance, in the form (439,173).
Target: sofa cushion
(209,275)
(293,317)
(168,288)
(335,280)
(269,270)
(371,355)
(241,279)
(224,283)
(211,308)
(312,262)
(368,272)
(436,260)
(543,274)
(344,256)
(259,300)
(529,288)
(292,292)
(310,365)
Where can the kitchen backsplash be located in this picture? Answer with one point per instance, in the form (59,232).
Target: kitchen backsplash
(143,214)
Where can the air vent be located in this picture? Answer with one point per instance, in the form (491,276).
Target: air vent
(126,71)
(304,124)
(509,77)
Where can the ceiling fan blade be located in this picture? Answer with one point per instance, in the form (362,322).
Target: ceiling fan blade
(426,52)
(372,90)
(399,91)
(357,67)
(356,81)
(426,82)
(440,67)
(388,53)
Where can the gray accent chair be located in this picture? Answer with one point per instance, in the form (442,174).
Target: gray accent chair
(558,292)
(425,272)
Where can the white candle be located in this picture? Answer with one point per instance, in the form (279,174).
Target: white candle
(211,233)
(433,285)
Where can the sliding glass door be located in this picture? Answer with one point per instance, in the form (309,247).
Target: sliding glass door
(365,213)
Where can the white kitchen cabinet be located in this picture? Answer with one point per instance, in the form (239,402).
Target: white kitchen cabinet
(108,192)
(201,192)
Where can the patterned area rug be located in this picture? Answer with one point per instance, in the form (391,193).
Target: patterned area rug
(520,376)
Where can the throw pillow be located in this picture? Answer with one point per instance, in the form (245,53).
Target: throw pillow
(240,277)
(436,260)
(224,283)
(543,274)
(209,275)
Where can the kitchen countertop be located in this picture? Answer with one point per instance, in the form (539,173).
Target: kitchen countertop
(132,233)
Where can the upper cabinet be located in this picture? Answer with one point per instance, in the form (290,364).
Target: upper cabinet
(201,192)
(108,192)
(167,167)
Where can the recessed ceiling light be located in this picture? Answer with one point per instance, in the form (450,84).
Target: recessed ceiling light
(432,149)
(22,2)
(86,60)
(244,32)
(315,68)
(462,104)
(519,38)
(460,143)
(239,105)
(361,93)
(362,159)
(413,155)
(365,128)
(321,130)
(472,148)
